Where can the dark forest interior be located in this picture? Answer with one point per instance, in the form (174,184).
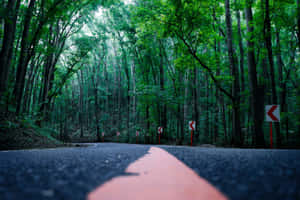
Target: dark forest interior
(82,71)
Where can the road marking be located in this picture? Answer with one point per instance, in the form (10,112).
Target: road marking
(157,175)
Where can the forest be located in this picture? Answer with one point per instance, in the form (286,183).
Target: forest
(107,70)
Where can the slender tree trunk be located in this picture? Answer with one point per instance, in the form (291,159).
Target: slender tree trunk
(29,84)
(24,59)
(186,102)
(218,109)
(196,111)
(65,136)
(128,100)
(163,106)
(35,97)
(81,84)
(118,77)
(47,75)
(236,126)
(6,53)
(216,118)
(206,134)
(148,123)
(298,22)
(181,122)
(282,85)
(106,82)
(134,91)
(96,109)
(181,109)
(216,113)
(224,120)
(268,41)
(256,112)
(241,48)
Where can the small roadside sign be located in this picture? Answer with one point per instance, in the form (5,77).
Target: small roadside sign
(160,130)
(192,125)
(273,113)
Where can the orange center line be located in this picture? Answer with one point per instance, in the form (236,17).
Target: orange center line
(157,175)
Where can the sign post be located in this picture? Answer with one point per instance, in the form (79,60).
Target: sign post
(160,131)
(137,137)
(192,127)
(118,134)
(103,136)
(272,115)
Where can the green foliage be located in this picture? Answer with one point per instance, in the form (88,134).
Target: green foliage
(8,125)
(116,67)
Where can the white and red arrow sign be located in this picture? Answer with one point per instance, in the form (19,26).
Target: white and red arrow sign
(160,130)
(103,134)
(192,125)
(137,133)
(118,133)
(273,113)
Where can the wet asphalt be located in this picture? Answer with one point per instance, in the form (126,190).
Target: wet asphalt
(71,173)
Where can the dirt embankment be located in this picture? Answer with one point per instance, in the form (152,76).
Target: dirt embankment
(22,133)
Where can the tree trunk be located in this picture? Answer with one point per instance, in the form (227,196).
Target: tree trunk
(8,42)
(236,126)
(148,123)
(256,112)
(186,103)
(29,84)
(134,91)
(96,109)
(241,48)
(224,119)
(127,73)
(35,90)
(282,85)
(47,74)
(298,22)
(81,121)
(268,41)
(242,76)
(163,107)
(217,49)
(206,134)
(24,59)
(216,117)
(196,111)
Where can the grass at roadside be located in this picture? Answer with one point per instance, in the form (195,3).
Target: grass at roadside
(22,133)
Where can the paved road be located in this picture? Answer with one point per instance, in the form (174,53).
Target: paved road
(246,174)
(71,173)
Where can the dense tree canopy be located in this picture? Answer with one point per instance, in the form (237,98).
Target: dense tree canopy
(86,67)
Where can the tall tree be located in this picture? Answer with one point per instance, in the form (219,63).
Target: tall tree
(298,21)
(24,57)
(254,88)
(237,138)
(268,41)
(10,23)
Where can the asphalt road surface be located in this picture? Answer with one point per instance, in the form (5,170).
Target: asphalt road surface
(72,173)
